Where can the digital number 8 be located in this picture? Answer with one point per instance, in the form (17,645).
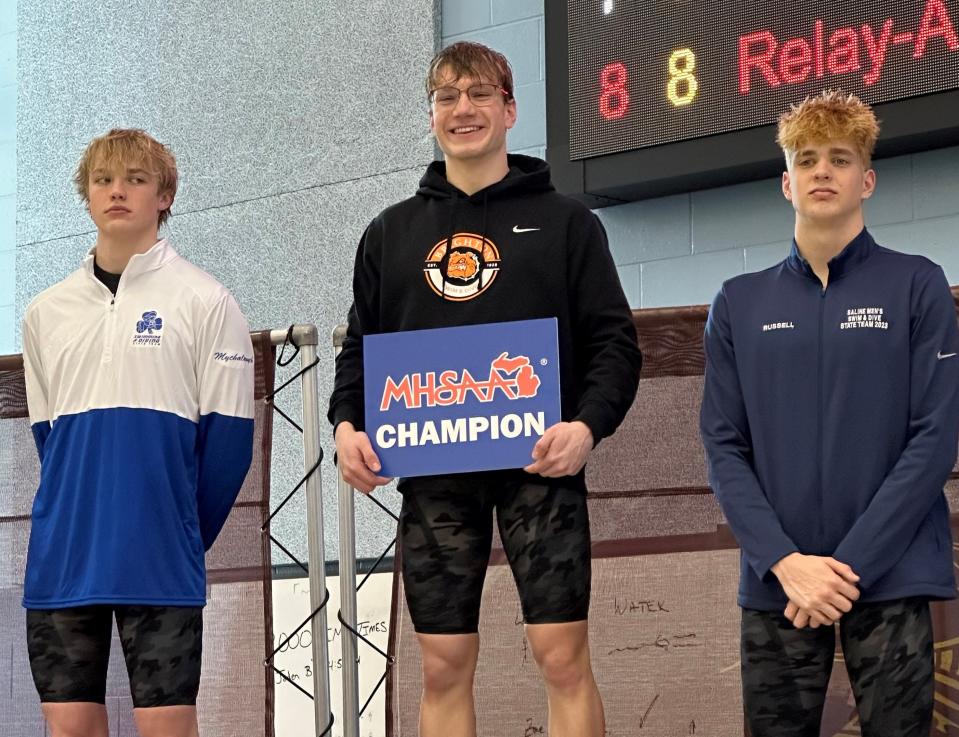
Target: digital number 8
(682,64)
(614,100)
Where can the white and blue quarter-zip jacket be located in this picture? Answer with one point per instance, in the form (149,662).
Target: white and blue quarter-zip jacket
(142,410)
(830,419)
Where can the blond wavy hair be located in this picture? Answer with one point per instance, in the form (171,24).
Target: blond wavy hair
(832,115)
(129,147)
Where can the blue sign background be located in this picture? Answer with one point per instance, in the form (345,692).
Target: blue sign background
(472,347)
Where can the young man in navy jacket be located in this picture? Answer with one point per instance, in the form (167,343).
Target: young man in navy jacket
(830,420)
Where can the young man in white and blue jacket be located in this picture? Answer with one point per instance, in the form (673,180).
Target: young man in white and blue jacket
(139,378)
(830,419)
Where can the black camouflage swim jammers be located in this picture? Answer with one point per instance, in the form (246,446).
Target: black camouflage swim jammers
(69,650)
(446,529)
(887,647)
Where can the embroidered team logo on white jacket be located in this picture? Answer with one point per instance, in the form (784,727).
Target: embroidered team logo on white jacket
(148,330)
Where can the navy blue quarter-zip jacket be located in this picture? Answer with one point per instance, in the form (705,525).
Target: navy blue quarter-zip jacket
(830,419)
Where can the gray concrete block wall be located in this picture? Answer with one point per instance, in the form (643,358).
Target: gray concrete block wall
(256,102)
(935,184)
(292,128)
(8,173)
(677,250)
(514,27)
(684,257)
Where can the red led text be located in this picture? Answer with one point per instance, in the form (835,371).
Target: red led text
(762,58)
(614,99)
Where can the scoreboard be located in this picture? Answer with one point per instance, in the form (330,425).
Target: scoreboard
(649,97)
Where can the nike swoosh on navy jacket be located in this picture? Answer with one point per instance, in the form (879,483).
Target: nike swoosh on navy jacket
(830,423)
(142,410)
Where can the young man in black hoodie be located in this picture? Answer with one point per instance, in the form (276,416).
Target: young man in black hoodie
(487,239)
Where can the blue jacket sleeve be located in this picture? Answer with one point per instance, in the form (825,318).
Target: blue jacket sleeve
(882,533)
(225,435)
(724,428)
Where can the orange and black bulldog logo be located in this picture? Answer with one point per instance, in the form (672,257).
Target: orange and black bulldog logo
(463,271)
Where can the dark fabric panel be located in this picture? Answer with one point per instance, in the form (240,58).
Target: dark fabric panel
(671,339)
(657,447)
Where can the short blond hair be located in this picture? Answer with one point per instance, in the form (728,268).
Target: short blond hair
(129,147)
(832,115)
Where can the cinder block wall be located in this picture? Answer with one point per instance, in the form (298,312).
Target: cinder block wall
(293,124)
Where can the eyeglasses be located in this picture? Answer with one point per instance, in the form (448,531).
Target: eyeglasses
(479,94)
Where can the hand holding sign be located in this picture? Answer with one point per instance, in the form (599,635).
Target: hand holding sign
(357,460)
(462,399)
(562,450)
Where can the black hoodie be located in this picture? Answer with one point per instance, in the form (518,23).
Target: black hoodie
(520,251)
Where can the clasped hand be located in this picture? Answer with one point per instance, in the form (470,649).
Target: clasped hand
(820,589)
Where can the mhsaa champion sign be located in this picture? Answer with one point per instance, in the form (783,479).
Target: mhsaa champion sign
(452,400)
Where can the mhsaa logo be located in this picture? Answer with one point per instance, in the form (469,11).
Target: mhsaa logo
(514,378)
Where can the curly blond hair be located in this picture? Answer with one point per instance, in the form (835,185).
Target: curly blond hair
(129,147)
(832,115)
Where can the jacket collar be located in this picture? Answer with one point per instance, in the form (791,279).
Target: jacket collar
(160,253)
(856,252)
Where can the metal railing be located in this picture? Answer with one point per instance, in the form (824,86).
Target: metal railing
(303,339)
(348,590)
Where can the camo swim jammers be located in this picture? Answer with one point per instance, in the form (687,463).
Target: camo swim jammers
(887,648)
(446,530)
(70,648)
